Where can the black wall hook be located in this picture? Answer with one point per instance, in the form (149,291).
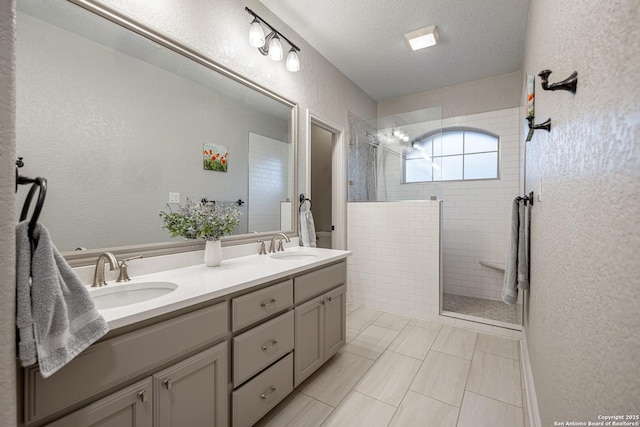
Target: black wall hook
(570,83)
(546,125)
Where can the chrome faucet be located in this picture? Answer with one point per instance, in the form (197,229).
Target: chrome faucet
(98,275)
(272,248)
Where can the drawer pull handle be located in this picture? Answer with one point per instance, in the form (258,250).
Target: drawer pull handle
(167,383)
(271,390)
(267,347)
(267,304)
(142,396)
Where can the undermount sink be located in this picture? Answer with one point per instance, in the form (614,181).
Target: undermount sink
(293,256)
(131,293)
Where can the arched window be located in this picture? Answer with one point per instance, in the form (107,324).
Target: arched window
(452,154)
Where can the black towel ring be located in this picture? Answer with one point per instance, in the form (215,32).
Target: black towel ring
(302,200)
(38,184)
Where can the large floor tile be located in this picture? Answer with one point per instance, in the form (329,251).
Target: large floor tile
(391,321)
(351,334)
(414,341)
(442,377)
(481,411)
(331,383)
(497,345)
(389,378)
(358,410)
(427,324)
(362,317)
(371,342)
(351,307)
(297,410)
(417,410)
(456,342)
(496,377)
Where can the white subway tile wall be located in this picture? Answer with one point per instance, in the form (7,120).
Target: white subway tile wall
(268,181)
(475,213)
(396,253)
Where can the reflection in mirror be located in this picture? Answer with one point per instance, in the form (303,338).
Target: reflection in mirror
(118,123)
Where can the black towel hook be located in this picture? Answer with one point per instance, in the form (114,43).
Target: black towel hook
(302,200)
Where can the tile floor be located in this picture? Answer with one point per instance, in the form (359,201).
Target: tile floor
(401,372)
(480,307)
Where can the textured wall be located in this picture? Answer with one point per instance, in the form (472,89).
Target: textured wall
(583,323)
(479,96)
(396,257)
(7,238)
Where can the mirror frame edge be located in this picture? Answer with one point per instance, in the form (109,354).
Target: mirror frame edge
(84,258)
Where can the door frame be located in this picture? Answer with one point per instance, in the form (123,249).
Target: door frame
(338,175)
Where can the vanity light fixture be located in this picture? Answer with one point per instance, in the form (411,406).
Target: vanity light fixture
(424,37)
(271,44)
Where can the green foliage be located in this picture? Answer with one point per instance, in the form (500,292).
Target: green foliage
(200,221)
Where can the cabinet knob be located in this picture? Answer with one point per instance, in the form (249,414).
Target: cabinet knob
(330,298)
(268,303)
(322,302)
(266,395)
(267,347)
(167,383)
(142,396)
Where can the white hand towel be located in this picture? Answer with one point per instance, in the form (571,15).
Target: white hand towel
(59,315)
(307,228)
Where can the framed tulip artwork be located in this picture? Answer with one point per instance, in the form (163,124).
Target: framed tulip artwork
(214,157)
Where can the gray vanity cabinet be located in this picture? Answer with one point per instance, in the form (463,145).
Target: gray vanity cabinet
(129,407)
(193,392)
(320,323)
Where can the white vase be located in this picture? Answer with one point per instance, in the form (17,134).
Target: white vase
(212,253)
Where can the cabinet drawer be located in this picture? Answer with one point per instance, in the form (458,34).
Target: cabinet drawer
(258,305)
(257,397)
(318,282)
(257,348)
(108,363)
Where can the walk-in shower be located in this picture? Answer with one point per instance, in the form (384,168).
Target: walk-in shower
(468,163)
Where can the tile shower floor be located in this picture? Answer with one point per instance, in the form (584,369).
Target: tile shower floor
(480,307)
(397,371)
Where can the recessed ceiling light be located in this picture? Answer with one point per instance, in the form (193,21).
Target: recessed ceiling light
(424,37)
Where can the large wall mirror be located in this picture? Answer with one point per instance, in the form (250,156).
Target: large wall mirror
(117,117)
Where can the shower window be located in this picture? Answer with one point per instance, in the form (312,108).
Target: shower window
(452,154)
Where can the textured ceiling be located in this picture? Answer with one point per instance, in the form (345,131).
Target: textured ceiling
(365,40)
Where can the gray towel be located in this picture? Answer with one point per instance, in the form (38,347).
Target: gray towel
(306,228)
(516,273)
(56,317)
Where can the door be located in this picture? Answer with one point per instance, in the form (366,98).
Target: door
(194,392)
(309,331)
(129,407)
(335,315)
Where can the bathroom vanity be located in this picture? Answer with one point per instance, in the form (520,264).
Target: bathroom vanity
(223,349)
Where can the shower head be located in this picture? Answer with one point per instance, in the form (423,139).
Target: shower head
(374,140)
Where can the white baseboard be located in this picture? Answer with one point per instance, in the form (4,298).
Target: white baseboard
(533,412)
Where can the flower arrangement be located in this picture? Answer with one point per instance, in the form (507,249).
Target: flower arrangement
(200,220)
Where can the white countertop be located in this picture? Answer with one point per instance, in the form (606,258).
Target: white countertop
(200,283)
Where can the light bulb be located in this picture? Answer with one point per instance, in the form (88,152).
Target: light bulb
(293,63)
(275,49)
(256,34)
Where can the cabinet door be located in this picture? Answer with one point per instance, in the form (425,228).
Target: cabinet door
(309,332)
(131,406)
(335,317)
(194,392)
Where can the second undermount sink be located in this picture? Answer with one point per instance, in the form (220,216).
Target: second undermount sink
(293,256)
(131,293)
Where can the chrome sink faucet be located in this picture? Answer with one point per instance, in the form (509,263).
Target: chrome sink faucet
(98,275)
(280,236)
